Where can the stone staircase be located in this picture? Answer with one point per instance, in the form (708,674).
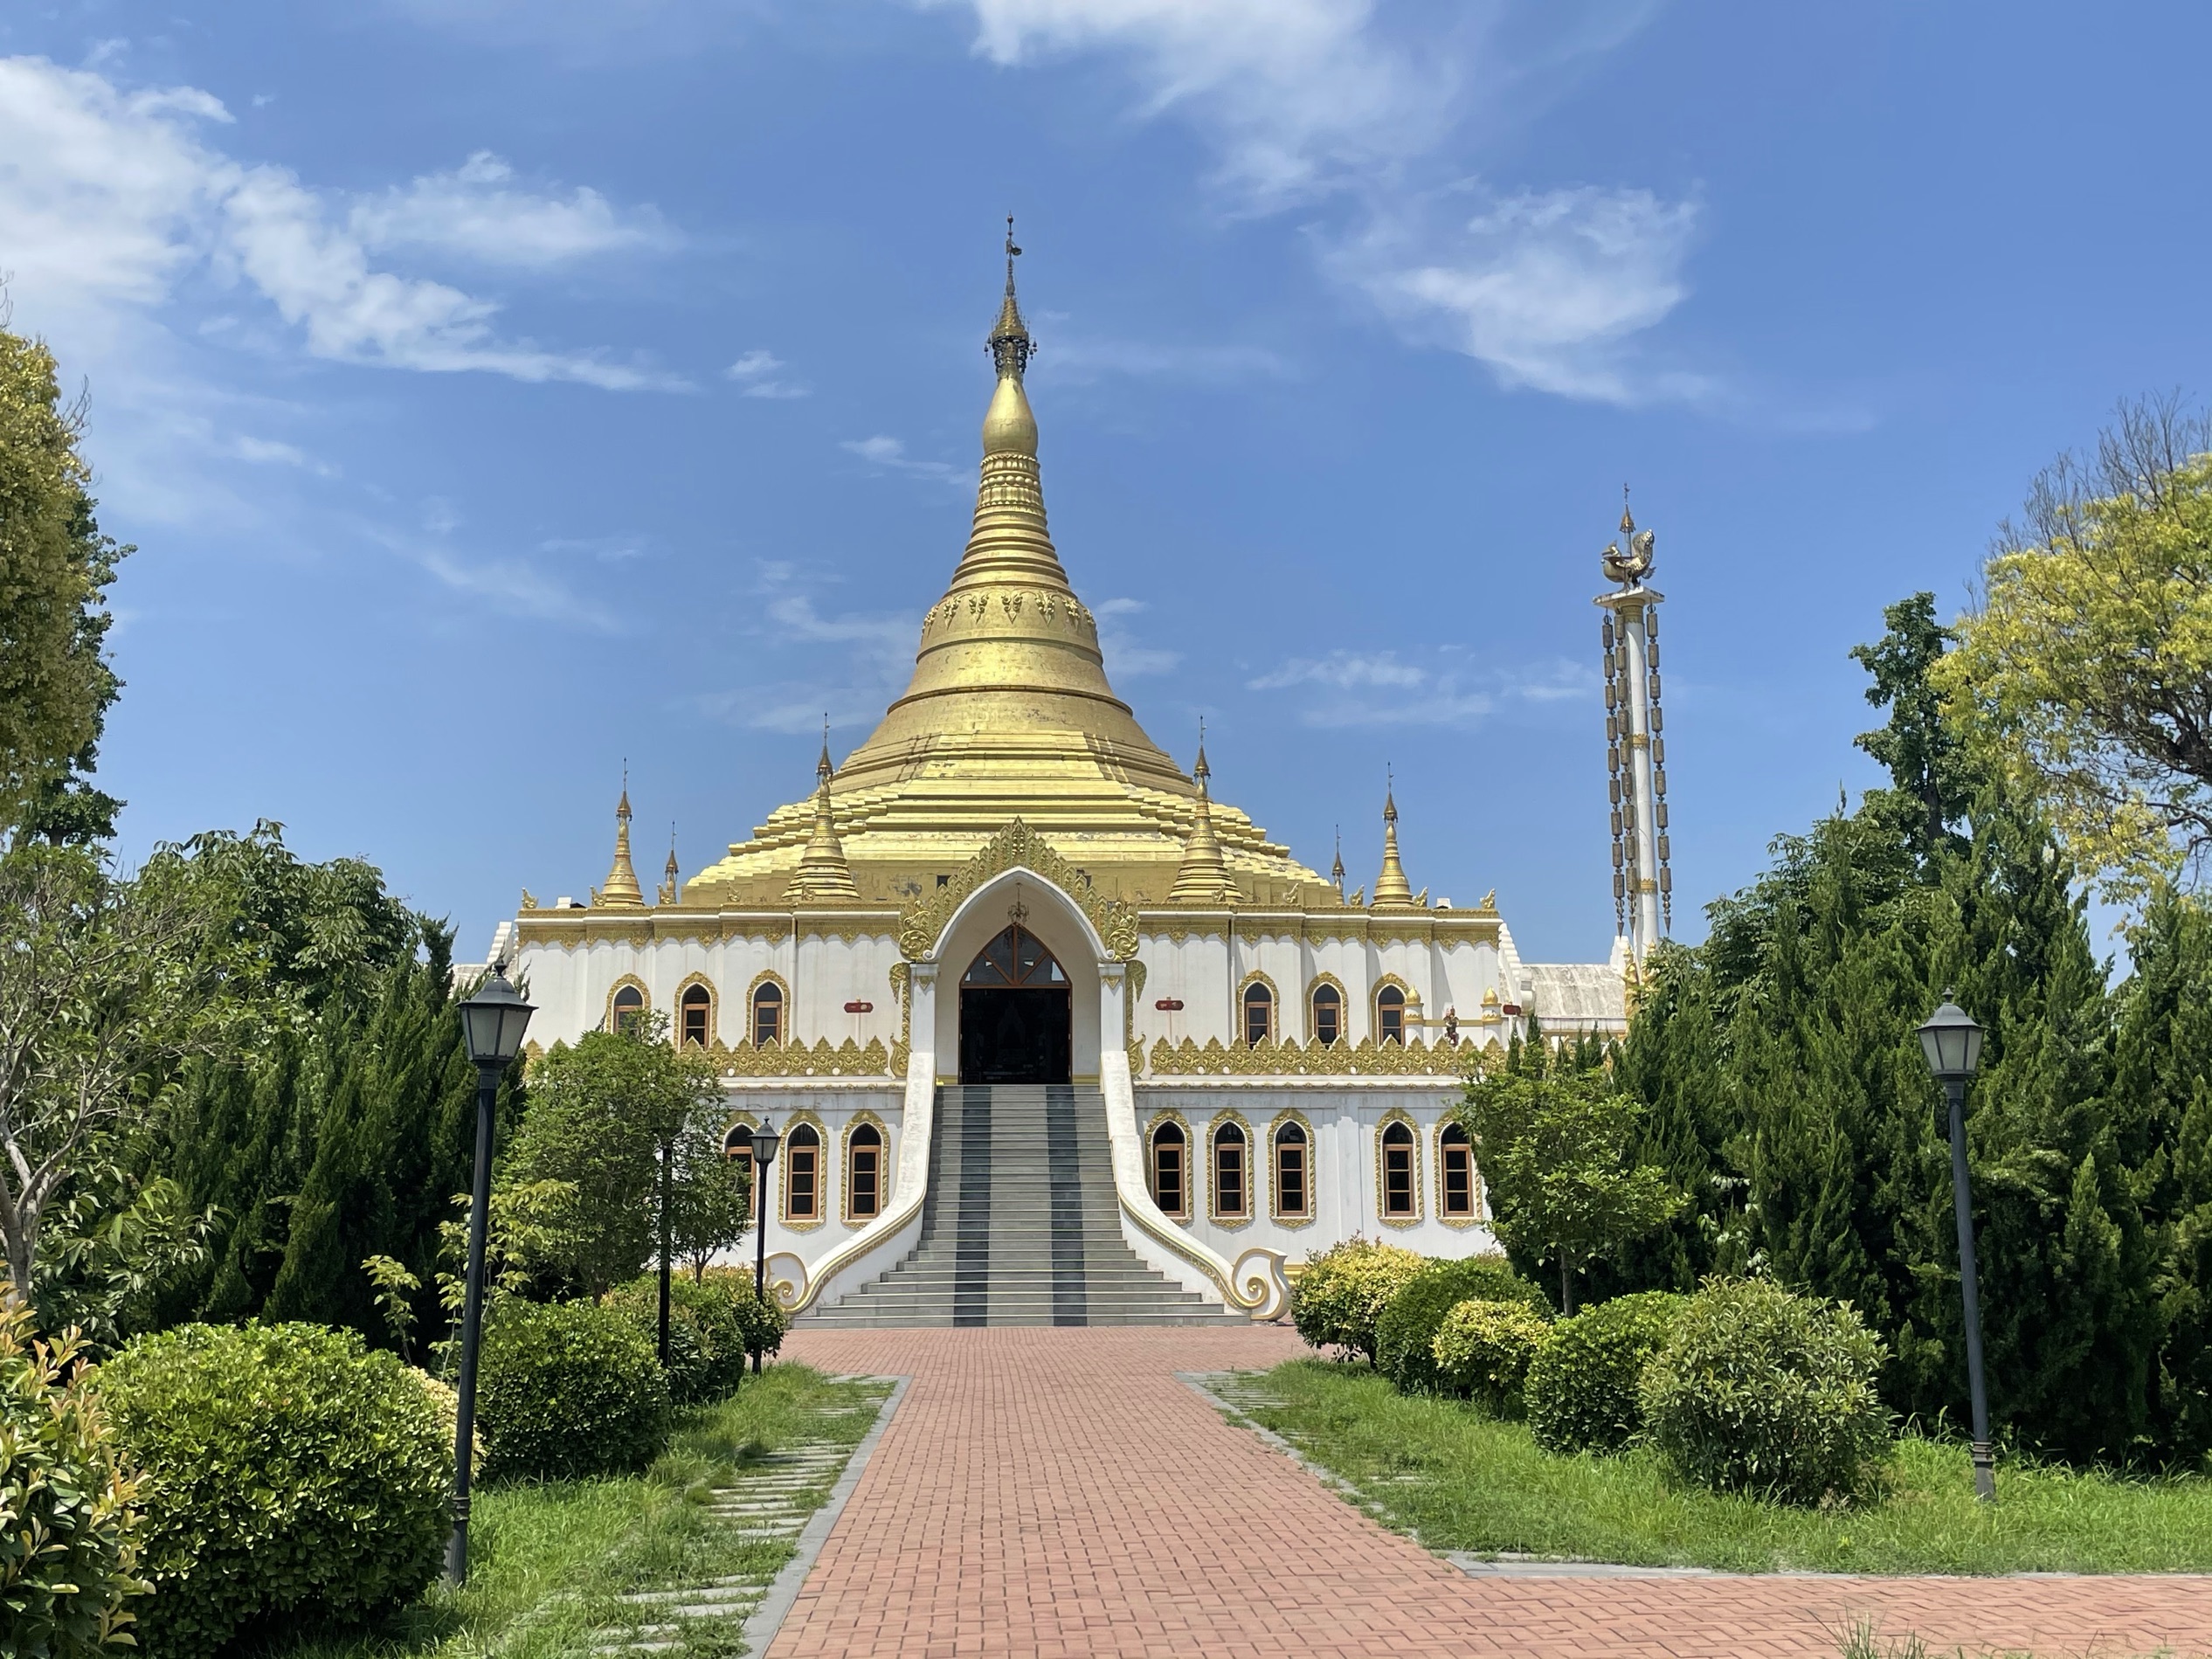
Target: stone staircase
(1021,1226)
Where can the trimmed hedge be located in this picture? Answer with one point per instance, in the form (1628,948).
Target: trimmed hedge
(1584,1389)
(1483,1350)
(566,1390)
(289,1472)
(62,1484)
(1763,1392)
(1340,1293)
(707,1350)
(1405,1334)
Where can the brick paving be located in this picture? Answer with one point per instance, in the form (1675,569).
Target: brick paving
(1060,1493)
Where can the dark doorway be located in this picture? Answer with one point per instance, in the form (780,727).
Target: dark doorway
(1015,1017)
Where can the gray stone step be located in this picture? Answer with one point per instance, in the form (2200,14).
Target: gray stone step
(1021,1226)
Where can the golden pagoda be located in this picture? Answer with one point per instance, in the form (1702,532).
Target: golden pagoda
(1009,715)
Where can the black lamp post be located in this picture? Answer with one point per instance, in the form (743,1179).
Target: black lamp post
(492,1021)
(1952,1043)
(765,1142)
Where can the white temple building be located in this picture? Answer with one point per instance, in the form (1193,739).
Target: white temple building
(1051,1035)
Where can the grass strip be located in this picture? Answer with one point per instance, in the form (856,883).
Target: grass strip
(549,1561)
(1456,1480)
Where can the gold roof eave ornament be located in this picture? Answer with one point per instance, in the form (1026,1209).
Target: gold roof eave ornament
(824,877)
(1203,878)
(621,891)
(1392,891)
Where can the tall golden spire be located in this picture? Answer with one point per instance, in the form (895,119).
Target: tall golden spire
(1203,877)
(1391,889)
(1009,673)
(621,891)
(823,874)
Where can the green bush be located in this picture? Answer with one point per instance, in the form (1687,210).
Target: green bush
(1584,1388)
(565,1390)
(762,1323)
(289,1473)
(1763,1392)
(709,1325)
(69,1521)
(1339,1294)
(1405,1334)
(1483,1350)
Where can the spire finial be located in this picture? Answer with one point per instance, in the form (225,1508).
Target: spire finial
(1391,889)
(823,771)
(1010,344)
(622,806)
(1628,522)
(1201,771)
(1336,868)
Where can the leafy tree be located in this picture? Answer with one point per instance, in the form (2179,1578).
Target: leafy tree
(599,1113)
(2086,672)
(1553,1141)
(107,984)
(711,1198)
(55,568)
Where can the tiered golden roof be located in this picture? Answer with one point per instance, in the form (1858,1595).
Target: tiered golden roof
(1009,715)
(621,891)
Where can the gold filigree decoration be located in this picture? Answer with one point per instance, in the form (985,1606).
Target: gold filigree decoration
(1292,1057)
(848,1059)
(1016,847)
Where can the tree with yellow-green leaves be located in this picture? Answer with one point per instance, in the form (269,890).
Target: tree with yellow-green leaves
(55,567)
(2085,675)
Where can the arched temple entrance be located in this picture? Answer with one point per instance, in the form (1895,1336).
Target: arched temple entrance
(1016,1019)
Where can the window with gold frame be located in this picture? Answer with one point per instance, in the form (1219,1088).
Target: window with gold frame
(1293,1159)
(1170,1170)
(1231,1151)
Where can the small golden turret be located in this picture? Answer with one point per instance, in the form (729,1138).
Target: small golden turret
(669,885)
(1336,868)
(1392,891)
(1203,877)
(621,891)
(823,877)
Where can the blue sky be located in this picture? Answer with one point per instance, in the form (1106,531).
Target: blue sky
(497,391)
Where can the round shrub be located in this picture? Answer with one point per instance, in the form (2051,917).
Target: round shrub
(1405,1334)
(1763,1392)
(1483,1350)
(1584,1386)
(565,1390)
(1340,1293)
(706,1343)
(60,1479)
(760,1325)
(288,1472)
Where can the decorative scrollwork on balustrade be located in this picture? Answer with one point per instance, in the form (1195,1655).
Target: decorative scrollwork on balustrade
(1291,1058)
(846,1059)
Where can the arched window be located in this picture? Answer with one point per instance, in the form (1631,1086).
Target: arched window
(696,1010)
(1455,1173)
(803,1174)
(629,1007)
(1398,1172)
(1017,957)
(1170,1191)
(1328,1013)
(768,1014)
(1293,1197)
(1390,1015)
(1259,1014)
(864,1172)
(1231,1202)
(737,1147)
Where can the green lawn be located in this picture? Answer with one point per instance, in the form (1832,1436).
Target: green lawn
(1457,1480)
(547,1562)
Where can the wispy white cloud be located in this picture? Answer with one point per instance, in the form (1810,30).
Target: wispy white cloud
(110,198)
(757,371)
(1126,658)
(476,210)
(1335,103)
(1352,688)
(1080,360)
(1544,287)
(514,585)
(890,454)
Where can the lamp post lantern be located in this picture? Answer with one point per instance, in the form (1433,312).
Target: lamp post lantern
(493,1022)
(766,1141)
(1952,1042)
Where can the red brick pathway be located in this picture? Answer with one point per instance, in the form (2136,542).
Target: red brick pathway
(1059,1492)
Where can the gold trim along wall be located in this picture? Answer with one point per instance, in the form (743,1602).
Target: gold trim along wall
(1291,1058)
